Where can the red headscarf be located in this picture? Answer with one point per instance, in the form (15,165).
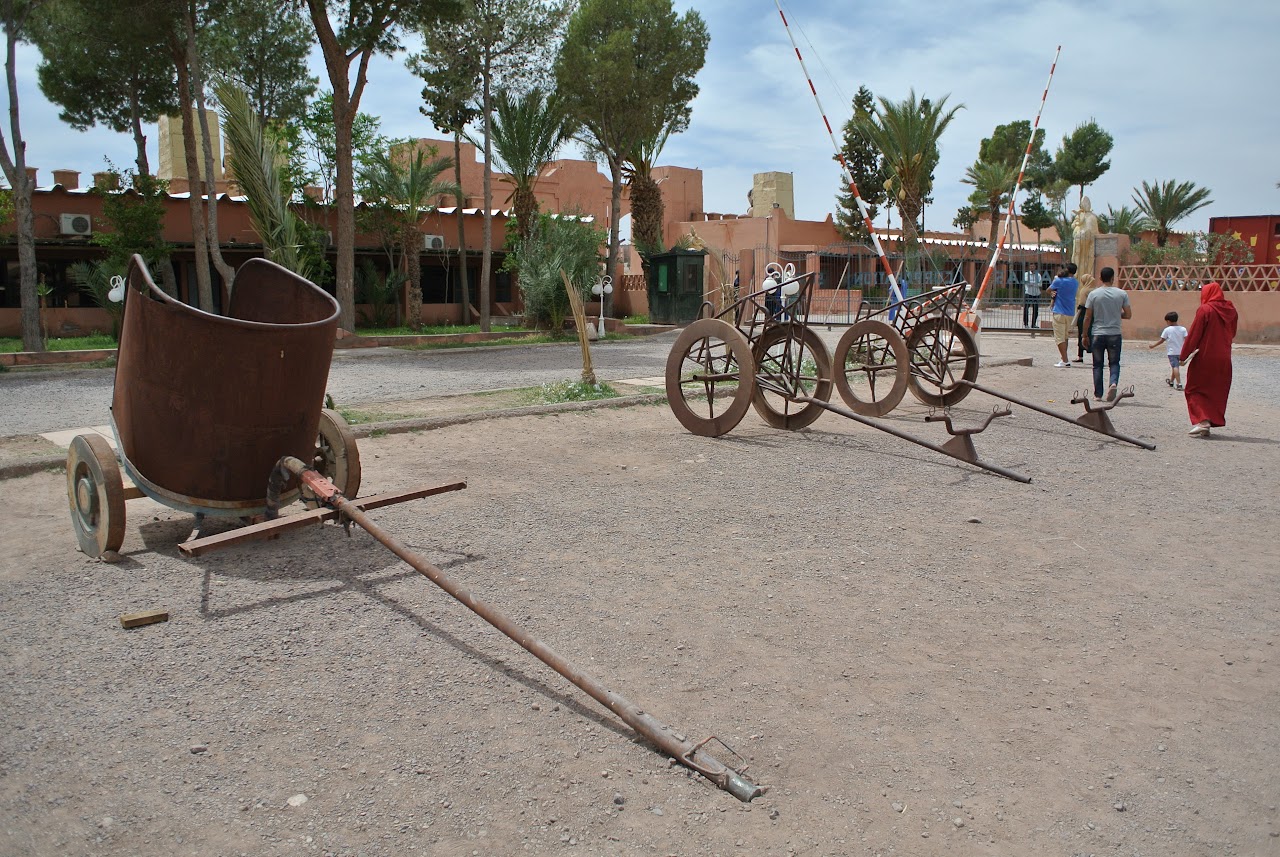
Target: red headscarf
(1213,301)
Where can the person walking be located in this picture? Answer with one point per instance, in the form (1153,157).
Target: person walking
(1209,375)
(1063,291)
(1105,306)
(1031,283)
(1172,336)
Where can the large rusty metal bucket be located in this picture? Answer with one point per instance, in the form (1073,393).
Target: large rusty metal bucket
(205,405)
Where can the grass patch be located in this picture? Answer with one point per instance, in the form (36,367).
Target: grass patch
(13,344)
(636,319)
(425,330)
(570,391)
(355,416)
(536,339)
(429,330)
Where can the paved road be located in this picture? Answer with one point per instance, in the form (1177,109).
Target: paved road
(34,401)
(42,400)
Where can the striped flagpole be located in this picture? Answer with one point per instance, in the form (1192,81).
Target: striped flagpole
(853,186)
(973,320)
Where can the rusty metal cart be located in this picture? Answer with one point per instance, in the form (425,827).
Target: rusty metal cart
(220,416)
(205,405)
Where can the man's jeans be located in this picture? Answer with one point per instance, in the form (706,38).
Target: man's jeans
(1031,305)
(1108,343)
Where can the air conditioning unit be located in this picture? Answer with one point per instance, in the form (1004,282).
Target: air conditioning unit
(75,224)
(432,242)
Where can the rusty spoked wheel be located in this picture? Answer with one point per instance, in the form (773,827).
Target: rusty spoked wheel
(790,361)
(709,377)
(872,367)
(336,456)
(95,492)
(942,354)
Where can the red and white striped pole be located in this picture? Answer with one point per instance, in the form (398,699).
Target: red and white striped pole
(853,186)
(973,318)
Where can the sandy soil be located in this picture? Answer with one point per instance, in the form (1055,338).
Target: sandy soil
(1086,667)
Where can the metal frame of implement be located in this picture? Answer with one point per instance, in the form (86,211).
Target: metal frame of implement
(333,504)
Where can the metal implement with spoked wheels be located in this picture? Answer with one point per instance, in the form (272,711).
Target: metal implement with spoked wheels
(760,352)
(916,344)
(757,352)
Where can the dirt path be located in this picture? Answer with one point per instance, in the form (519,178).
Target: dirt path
(1088,669)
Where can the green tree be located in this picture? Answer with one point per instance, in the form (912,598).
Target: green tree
(866,167)
(1008,144)
(314,154)
(363,28)
(992,184)
(16,16)
(104,63)
(133,209)
(451,73)
(404,188)
(262,46)
(510,39)
(907,134)
(626,70)
(1035,216)
(966,217)
(1082,158)
(1124,221)
(1165,203)
(556,244)
(527,130)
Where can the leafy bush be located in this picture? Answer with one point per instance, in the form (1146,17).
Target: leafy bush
(1198,248)
(382,294)
(556,244)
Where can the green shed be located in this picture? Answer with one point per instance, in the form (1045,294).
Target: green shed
(675,286)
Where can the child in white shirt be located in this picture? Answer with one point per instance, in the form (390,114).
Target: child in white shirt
(1172,336)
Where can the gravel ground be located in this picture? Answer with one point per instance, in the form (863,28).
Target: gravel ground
(915,656)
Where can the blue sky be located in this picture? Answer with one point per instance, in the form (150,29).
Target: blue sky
(1188,90)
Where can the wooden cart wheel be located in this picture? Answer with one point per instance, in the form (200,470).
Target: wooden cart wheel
(942,353)
(95,492)
(792,357)
(872,368)
(709,377)
(336,455)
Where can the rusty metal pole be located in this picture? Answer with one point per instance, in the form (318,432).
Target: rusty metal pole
(688,753)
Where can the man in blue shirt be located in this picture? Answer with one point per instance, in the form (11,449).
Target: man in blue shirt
(1063,289)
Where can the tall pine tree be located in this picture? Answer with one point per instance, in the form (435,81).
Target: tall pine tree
(867,168)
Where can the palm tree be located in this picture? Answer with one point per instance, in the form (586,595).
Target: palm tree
(405,188)
(1124,221)
(527,131)
(992,185)
(257,159)
(907,133)
(647,211)
(1166,203)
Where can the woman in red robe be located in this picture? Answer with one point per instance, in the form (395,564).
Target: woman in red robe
(1209,375)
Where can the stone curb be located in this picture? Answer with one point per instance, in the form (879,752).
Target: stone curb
(59,462)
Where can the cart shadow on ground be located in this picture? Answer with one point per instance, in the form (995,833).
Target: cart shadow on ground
(296,565)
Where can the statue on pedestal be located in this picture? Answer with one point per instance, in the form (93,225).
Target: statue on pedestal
(1084,229)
